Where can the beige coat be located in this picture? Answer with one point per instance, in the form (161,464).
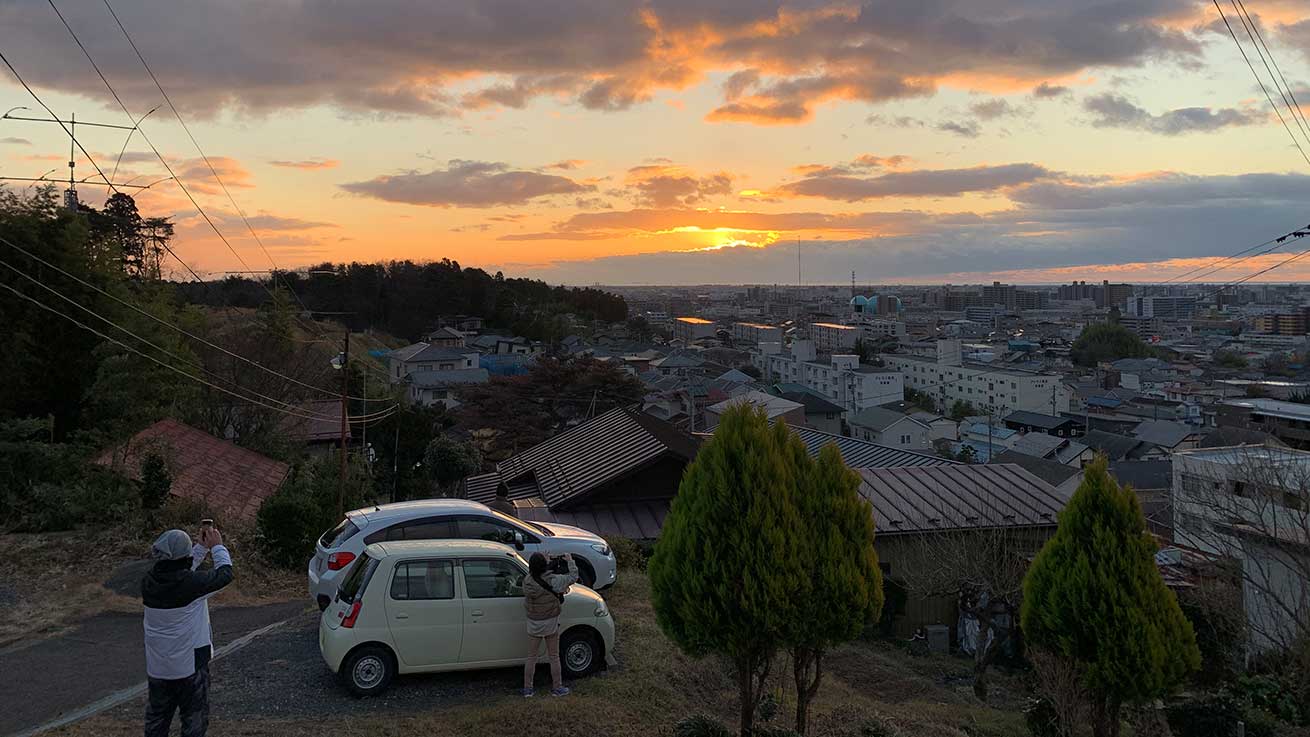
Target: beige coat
(542,604)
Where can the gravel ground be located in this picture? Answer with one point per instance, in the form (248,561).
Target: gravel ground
(281,675)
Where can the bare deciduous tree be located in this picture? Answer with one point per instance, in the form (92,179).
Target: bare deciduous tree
(1059,681)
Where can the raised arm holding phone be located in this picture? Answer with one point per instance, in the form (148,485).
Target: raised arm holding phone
(179,642)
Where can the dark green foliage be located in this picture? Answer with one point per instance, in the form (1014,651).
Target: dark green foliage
(1279,695)
(404,298)
(630,554)
(155,481)
(1215,610)
(699,725)
(962,409)
(1106,341)
(919,399)
(1229,359)
(305,507)
(840,592)
(1094,595)
(726,566)
(448,460)
(400,442)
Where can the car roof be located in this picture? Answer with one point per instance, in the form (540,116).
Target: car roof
(439,547)
(406,510)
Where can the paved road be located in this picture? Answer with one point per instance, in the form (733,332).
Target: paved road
(45,679)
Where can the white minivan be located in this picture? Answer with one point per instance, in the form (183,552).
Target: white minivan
(449,519)
(447,605)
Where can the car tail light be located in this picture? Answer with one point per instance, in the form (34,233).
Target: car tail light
(348,621)
(337,561)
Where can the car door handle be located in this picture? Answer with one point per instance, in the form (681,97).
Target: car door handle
(476,613)
(402,616)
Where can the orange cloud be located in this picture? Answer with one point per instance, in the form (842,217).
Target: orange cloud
(311,164)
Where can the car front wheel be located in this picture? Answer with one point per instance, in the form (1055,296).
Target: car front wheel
(580,653)
(368,671)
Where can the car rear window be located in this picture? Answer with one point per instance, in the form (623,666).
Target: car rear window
(357,578)
(339,534)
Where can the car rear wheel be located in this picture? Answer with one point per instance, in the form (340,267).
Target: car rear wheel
(580,653)
(368,671)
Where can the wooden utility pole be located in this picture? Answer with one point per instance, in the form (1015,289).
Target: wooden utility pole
(345,394)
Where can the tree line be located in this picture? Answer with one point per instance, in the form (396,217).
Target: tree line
(404,298)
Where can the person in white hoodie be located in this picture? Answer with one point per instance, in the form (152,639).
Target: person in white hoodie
(179,642)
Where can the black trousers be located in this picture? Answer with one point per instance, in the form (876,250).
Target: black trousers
(189,696)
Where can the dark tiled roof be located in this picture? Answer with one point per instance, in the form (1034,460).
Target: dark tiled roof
(814,404)
(1037,419)
(1052,472)
(450,377)
(225,477)
(569,466)
(641,520)
(1163,432)
(958,497)
(877,418)
(1144,475)
(1115,447)
(325,425)
(863,454)
(1225,436)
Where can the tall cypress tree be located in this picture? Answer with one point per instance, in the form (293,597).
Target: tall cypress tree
(1094,596)
(728,560)
(843,584)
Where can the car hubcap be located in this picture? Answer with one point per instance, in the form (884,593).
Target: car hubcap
(578,656)
(368,672)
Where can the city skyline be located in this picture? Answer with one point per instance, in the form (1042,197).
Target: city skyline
(670,143)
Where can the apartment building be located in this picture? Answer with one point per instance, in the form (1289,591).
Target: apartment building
(1165,308)
(876,328)
(692,328)
(1283,323)
(948,379)
(753,332)
(829,337)
(839,378)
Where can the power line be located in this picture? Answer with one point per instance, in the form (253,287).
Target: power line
(171,326)
(1260,81)
(1276,74)
(177,114)
(1265,270)
(71,137)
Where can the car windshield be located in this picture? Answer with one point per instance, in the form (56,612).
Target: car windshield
(516,522)
(339,534)
(356,579)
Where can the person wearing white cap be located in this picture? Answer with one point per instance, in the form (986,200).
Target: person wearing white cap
(179,643)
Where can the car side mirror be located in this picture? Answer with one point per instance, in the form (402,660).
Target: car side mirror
(518,540)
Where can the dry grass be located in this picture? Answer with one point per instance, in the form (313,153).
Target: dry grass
(50,581)
(871,689)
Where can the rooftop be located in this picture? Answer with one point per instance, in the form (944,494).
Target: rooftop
(1274,408)
(773,406)
(877,418)
(832,325)
(958,497)
(694,320)
(1243,454)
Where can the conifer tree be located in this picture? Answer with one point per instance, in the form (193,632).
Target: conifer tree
(1095,597)
(843,584)
(728,561)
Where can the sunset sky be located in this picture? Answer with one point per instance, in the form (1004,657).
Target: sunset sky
(681,141)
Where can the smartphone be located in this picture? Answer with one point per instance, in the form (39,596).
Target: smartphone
(207,522)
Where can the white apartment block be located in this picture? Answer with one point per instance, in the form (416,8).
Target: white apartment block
(841,378)
(692,328)
(947,379)
(875,328)
(753,332)
(829,337)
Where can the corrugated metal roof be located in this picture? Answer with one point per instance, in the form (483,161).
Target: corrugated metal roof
(636,520)
(570,465)
(959,497)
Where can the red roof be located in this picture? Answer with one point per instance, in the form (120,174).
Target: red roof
(226,477)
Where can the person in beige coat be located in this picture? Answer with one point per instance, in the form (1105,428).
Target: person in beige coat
(543,595)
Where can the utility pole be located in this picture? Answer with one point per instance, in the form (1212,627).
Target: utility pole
(345,393)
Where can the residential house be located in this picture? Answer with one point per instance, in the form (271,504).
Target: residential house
(1171,436)
(981,432)
(425,357)
(1117,447)
(316,425)
(890,428)
(820,414)
(1061,450)
(446,337)
(911,505)
(793,413)
(1026,421)
(222,477)
(939,428)
(1064,477)
(439,387)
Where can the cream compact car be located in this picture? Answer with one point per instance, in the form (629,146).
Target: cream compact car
(425,606)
